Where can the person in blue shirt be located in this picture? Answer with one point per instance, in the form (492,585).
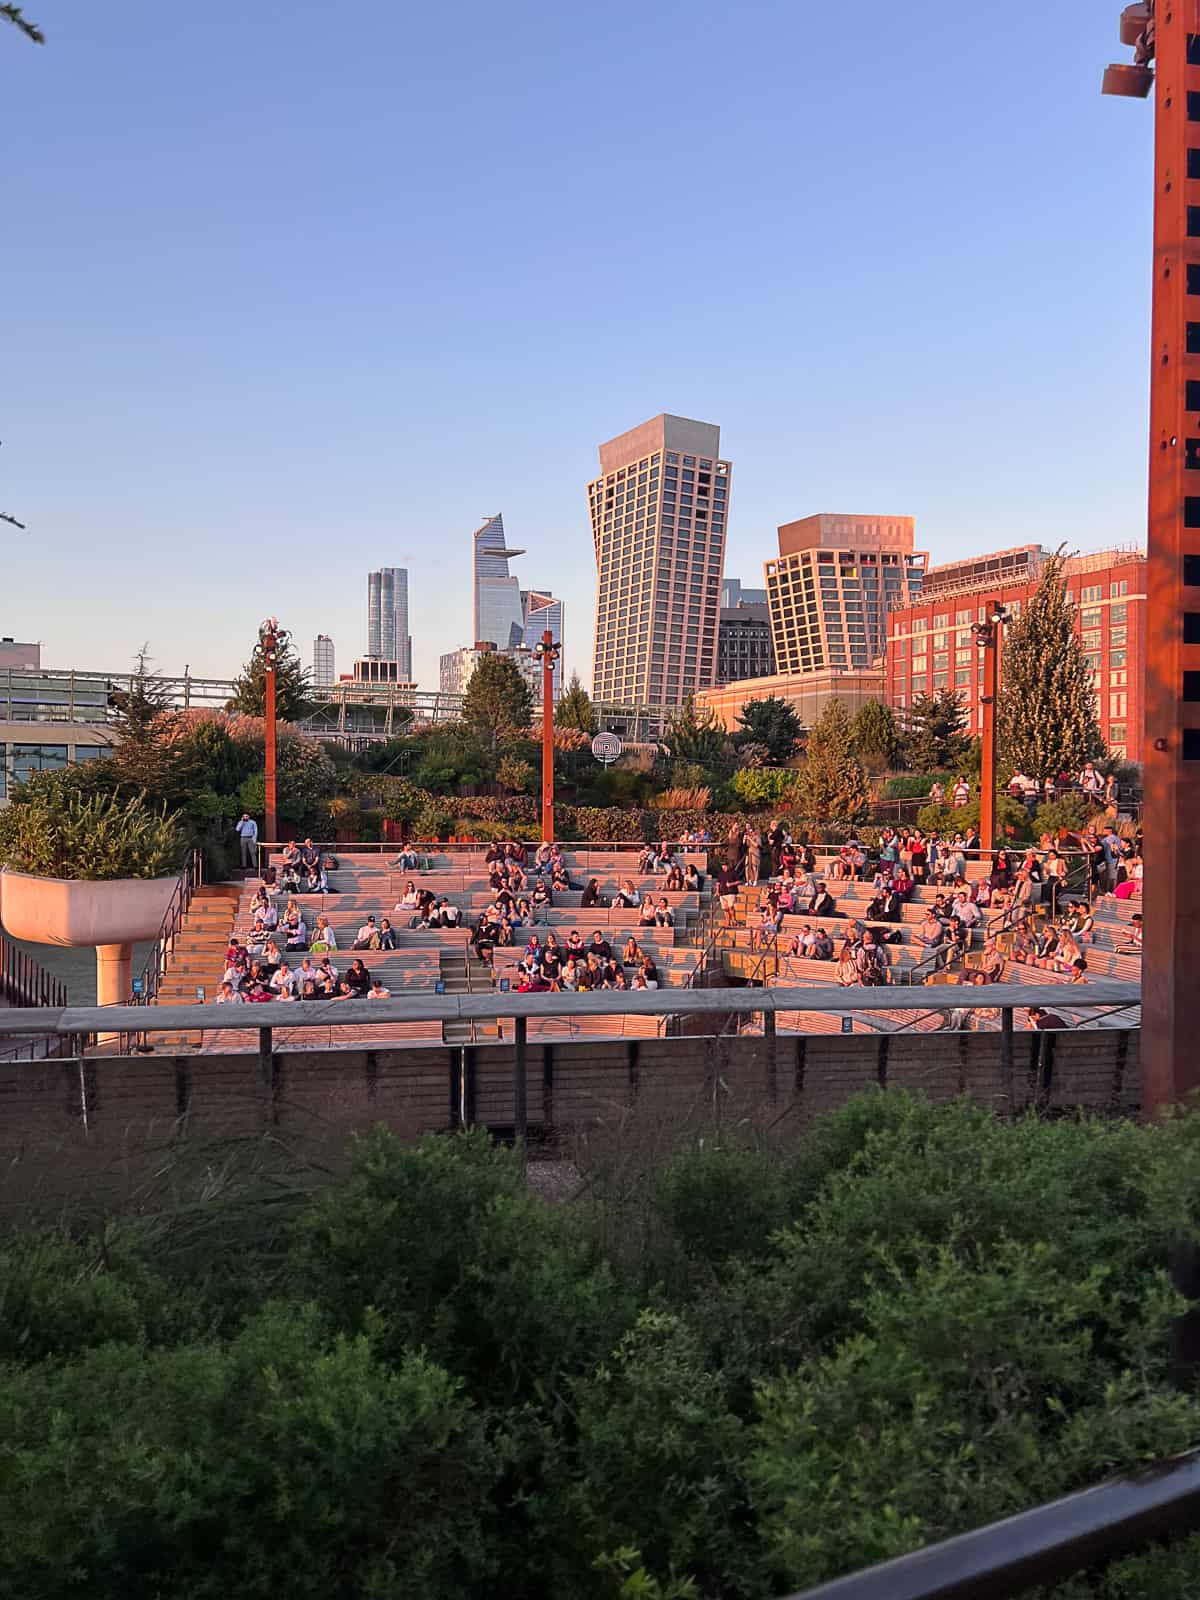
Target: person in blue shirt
(247,832)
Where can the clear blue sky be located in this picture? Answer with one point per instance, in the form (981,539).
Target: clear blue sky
(292,290)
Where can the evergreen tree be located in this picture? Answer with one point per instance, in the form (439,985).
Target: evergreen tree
(692,735)
(575,709)
(935,740)
(1046,722)
(876,738)
(144,721)
(292,688)
(772,724)
(833,786)
(497,703)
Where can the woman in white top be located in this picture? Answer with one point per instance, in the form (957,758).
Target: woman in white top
(324,937)
(410,899)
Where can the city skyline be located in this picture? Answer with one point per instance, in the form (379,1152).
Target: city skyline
(377,369)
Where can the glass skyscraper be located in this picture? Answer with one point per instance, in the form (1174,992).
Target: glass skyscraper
(387,618)
(498,617)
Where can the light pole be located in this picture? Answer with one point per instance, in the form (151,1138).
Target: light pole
(988,636)
(272,639)
(1166,60)
(547,652)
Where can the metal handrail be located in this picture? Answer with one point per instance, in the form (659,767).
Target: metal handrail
(1036,1548)
(190,879)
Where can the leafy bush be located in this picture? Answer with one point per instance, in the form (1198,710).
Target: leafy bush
(515,774)
(915,785)
(1069,814)
(1012,819)
(52,830)
(434,820)
(765,786)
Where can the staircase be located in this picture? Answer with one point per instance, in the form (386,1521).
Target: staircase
(195,958)
(463,973)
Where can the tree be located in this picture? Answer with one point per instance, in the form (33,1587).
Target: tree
(144,721)
(1047,714)
(292,687)
(772,724)
(876,738)
(833,786)
(935,739)
(497,703)
(575,709)
(693,735)
(14,14)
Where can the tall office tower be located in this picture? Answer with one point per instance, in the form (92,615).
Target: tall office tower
(323,670)
(831,589)
(658,513)
(387,618)
(544,611)
(498,617)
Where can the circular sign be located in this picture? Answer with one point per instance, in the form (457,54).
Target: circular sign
(606,747)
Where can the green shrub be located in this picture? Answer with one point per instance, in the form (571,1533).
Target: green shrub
(56,1300)
(915,785)
(101,837)
(756,787)
(282,1463)
(1069,814)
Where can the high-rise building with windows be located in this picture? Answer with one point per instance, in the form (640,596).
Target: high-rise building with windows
(659,512)
(744,643)
(498,615)
(323,668)
(830,591)
(931,646)
(387,618)
(542,611)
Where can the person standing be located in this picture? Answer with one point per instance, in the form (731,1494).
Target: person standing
(247,832)
(753,854)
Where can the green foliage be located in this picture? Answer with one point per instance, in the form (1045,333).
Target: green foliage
(575,709)
(497,703)
(402,801)
(1046,722)
(293,688)
(434,820)
(56,1301)
(53,829)
(732,1373)
(515,774)
(772,724)
(282,1462)
(1012,819)
(692,735)
(935,738)
(1068,814)
(832,781)
(766,786)
(445,1246)
(875,737)
(916,785)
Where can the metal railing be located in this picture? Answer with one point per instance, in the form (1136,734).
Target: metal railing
(155,970)
(24,981)
(1082,1531)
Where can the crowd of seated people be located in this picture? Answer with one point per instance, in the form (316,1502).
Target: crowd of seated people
(571,965)
(265,973)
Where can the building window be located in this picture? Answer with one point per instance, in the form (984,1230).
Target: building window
(1117,704)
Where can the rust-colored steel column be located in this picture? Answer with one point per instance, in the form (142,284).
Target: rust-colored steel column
(1171,995)
(987,774)
(548,659)
(269,642)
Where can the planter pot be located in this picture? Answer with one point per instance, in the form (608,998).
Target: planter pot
(77,911)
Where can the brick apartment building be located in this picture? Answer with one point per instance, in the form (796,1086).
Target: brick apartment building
(930,645)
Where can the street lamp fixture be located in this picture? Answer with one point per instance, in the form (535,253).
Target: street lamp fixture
(547,652)
(272,642)
(988,635)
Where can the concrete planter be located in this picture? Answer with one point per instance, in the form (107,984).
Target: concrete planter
(78,911)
